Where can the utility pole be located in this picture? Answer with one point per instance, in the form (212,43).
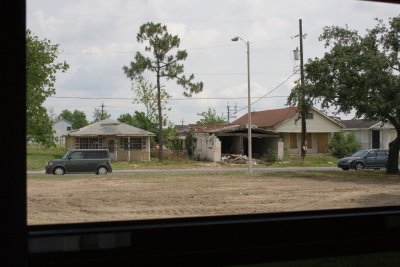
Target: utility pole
(230,111)
(302,104)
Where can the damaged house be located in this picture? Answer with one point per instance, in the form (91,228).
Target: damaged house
(214,140)
(277,130)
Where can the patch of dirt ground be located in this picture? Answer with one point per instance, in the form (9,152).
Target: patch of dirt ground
(89,198)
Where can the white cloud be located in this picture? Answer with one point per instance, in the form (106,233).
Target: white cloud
(98,38)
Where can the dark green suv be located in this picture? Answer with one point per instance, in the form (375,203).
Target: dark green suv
(80,161)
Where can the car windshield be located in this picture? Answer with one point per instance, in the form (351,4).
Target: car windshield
(360,153)
(65,155)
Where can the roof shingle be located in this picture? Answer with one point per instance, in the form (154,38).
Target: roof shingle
(268,118)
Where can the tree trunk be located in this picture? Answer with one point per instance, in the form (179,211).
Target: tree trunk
(392,166)
(160,121)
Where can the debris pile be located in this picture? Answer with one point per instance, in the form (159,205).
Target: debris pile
(234,158)
(239,159)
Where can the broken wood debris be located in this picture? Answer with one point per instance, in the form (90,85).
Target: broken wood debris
(239,159)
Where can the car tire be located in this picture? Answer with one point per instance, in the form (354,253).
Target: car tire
(59,171)
(102,170)
(359,166)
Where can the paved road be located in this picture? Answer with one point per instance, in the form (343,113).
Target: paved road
(205,170)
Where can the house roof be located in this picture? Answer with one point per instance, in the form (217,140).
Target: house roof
(226,129)
(358,124)
(110,127)
(242,129)
(272,118)
(268,118)
(200,128)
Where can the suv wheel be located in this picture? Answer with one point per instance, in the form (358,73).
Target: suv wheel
(359,166)
(102,170)
(59,171)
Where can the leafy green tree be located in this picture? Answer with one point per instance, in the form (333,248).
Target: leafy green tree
(211,117)
(169,134)
(361,73)
(99,115)
(41,70)
(146,94)
(164,63)
(342,144)
(76,118)
(189,142)
(126,118)
(140,120)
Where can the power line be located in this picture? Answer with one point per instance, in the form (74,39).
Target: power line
(169,99)
(259,98)
(188,48)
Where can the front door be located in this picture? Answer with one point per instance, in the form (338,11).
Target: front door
(322,142)
(111,148)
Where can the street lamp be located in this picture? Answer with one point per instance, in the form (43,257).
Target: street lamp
(235,39)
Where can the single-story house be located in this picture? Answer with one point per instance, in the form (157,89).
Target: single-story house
(370,134)
(285,122)
(125,142)
(61,127)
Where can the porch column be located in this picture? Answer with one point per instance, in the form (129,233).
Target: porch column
(129,148)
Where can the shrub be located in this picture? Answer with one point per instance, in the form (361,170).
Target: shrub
(271,156)
(343,144)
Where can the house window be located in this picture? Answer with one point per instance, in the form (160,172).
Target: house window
(293,140)
(136,143)
(144,143)
(310,116)
(123,143)
(68,128)
(87,143)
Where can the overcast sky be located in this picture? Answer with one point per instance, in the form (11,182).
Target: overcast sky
(97,38)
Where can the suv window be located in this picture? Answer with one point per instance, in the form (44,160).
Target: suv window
(76,155)
(382,153)
(103,155)
(371,154)
(96,154)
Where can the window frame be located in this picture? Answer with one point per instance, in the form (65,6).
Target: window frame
(89,143)
(211,241)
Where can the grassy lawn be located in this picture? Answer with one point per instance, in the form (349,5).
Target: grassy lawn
(37,158)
